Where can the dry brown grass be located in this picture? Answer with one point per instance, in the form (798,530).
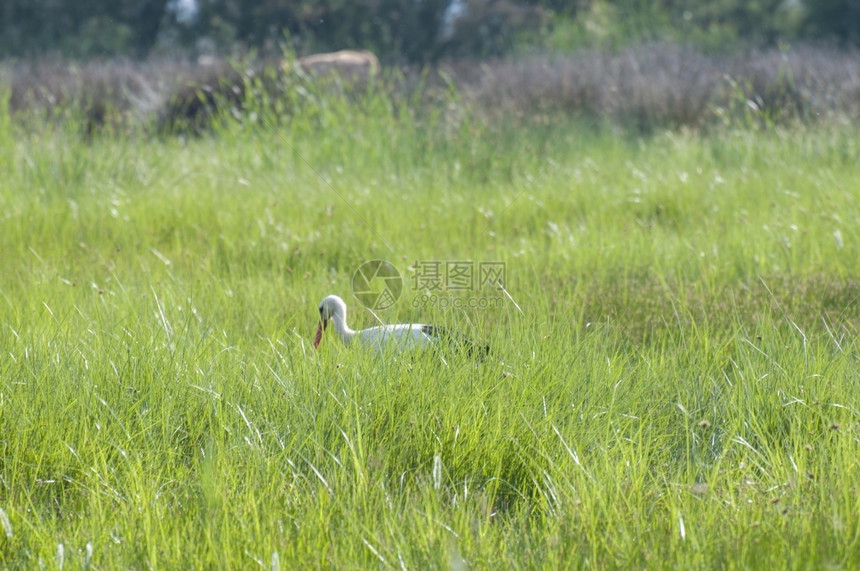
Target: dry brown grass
(103,92)
(652,86)
(649,308)
(670,85)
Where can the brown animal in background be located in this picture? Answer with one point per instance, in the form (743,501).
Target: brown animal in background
(347,64)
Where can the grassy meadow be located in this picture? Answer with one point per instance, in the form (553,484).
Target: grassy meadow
(673,383)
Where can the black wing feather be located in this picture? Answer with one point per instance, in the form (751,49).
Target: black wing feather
(457,340)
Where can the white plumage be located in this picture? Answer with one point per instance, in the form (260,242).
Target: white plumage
(395,338)
(400,336)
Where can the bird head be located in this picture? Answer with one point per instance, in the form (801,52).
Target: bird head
(329,307)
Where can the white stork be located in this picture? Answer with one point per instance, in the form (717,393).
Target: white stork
(400,336)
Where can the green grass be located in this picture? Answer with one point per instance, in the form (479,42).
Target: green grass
(679,390)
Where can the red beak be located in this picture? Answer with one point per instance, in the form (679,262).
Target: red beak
(320,329)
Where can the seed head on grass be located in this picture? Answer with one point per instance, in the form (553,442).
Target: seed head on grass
(437,472)
(699,489)
(6,523)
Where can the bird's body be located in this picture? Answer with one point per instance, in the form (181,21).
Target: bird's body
(397,337)
(400,336)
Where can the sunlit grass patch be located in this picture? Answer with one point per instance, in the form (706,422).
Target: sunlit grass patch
(672,378)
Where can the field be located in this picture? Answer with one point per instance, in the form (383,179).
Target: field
(673,382)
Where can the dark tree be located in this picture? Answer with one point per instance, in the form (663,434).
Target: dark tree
(836,19)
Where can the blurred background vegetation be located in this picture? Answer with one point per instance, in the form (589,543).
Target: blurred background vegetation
(172,65)
(411,31)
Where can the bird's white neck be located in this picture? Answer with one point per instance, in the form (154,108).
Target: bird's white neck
(342,329)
